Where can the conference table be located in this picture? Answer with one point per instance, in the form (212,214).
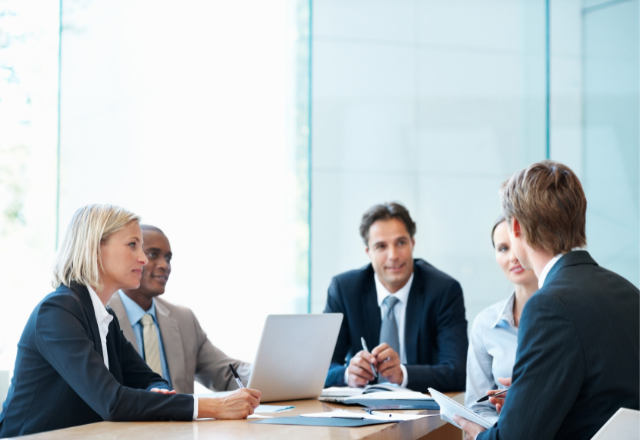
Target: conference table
(429,428)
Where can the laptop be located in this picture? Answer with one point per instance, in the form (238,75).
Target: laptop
(294,355)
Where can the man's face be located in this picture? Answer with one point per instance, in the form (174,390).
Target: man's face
(518,245)
(156,273)
(391,252)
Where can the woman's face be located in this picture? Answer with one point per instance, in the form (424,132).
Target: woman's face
(507,259)
(122,259)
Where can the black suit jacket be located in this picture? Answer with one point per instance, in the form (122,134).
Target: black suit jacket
(435,326)
(577,360)
(60,379)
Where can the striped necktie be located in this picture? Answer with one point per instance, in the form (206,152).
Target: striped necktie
(151,346)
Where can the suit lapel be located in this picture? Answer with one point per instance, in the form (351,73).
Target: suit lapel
(371,312)
(116,304)
(85,299)
(172,343)
(413,316)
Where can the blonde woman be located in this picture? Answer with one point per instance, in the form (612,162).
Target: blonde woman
(74,366)
(494,335)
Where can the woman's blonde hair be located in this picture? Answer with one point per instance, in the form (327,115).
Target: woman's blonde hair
(79,259)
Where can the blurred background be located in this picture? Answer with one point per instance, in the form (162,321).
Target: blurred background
(255,134)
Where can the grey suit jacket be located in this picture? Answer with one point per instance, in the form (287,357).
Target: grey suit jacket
(190,355)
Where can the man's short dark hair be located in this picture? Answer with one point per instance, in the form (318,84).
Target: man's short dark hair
(385,211)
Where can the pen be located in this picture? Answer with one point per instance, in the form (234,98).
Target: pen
(482,399)
(235,374)
(364,347)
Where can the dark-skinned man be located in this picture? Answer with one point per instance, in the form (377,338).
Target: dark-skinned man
(169,337)
(409,312)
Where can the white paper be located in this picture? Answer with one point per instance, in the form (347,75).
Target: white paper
(450,408)
(392,417)
(272,408)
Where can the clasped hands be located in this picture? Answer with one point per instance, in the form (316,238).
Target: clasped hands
(473,429)
(385,360)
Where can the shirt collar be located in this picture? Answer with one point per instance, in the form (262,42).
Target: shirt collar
(550,264)
(134,311)
(402,294)
(506,314)
(98,307)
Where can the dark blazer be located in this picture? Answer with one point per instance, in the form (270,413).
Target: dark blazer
(577,360)
(435,326)
(60,379)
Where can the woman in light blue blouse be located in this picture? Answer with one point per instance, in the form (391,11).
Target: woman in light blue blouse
(494,334)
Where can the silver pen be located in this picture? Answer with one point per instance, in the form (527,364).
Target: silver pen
(364,347)
(235,374)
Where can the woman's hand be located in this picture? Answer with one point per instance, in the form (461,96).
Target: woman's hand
(237,405)
(499,401)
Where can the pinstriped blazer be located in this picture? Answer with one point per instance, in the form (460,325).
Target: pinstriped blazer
(578,358)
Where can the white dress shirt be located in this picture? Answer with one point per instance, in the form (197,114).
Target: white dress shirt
(104,319)
(399,312)
(493,342)
(546,269)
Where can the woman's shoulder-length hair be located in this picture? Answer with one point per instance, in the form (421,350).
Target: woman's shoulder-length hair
(78,258)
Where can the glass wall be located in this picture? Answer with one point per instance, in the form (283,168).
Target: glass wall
(435,103)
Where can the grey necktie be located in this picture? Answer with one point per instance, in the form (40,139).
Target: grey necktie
(151,346)
(389,328)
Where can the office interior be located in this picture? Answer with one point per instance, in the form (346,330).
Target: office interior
(255,134)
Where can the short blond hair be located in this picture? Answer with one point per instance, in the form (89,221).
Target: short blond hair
(79,257)
(548,200)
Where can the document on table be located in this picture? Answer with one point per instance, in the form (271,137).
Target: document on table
(450,408)
(374,415)
(262,409)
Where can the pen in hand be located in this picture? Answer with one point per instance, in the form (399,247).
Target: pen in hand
(235,374)
(364,347)
(482,399)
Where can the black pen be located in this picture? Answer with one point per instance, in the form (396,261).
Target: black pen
(364,347)
(235,374)
(482,399)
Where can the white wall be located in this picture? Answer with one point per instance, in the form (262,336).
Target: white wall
(184,113)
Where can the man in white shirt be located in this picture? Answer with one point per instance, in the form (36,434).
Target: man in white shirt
(409,312)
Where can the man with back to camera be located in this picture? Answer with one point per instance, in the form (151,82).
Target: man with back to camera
(169,337)
(409,312)
(577,360)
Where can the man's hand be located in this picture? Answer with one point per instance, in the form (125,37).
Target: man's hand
(388,363)
(499,401)
(237,405)
(162,391)
(359,369)
(471,429)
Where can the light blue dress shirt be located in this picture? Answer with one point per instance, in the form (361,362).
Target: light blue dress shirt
(492,353)
(135,314)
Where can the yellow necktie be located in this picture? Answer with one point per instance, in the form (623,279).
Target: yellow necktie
(151,347)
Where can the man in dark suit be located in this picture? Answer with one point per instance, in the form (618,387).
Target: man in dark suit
(409,311)
(578,359)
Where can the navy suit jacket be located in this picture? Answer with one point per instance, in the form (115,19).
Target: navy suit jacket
(435,326)
(577,360)
(60,379)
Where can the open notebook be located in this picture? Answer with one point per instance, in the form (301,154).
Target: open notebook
(371,392)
